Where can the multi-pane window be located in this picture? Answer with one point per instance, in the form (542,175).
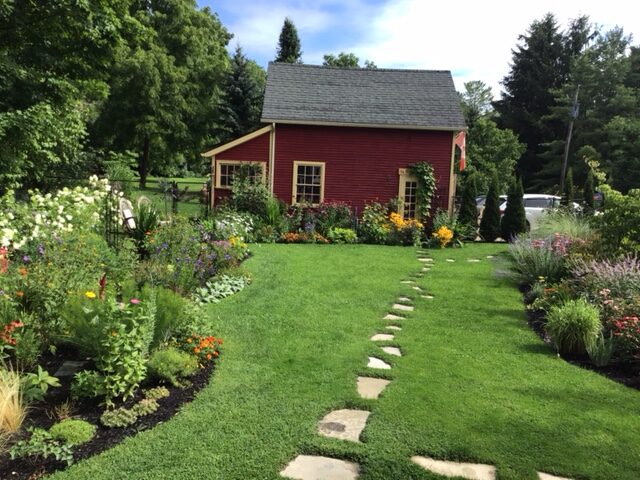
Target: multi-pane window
(308,182)
(409,199)
(227,169)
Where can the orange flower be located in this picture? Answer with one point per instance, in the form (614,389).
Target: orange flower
(189,340)
(216,353)
(19,293)
(23,271)
(208,356)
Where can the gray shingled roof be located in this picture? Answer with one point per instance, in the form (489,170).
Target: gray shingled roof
(380,97)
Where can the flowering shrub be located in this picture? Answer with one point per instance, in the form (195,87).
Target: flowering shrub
(546,258)
(205,348)
(228,223)
(626,333)
(619,278)
(404,231)
(443,235)
(48,215)
(374,227)
(342,235)
(303,237)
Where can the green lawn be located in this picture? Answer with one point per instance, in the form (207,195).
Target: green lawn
(189,203)
(474,382)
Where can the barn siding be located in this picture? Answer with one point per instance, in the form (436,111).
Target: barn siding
(361,164)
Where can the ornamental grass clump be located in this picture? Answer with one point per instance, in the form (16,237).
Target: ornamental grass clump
(13,407)
(531,259)
(573,326)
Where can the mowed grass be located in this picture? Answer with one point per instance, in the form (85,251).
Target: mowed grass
(474,382)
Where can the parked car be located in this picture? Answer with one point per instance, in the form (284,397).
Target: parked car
(534,206)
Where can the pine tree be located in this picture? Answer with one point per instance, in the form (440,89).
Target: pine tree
(588,193)
(289,44)
(468,212)
(514,221)
(569,191)
(490,223)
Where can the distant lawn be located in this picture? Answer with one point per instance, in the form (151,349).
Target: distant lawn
(189,204)
(474,382)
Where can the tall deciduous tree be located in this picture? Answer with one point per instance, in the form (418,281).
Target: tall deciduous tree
(476,101)
(164,82)
(346,60)
(243,95)
(289,49)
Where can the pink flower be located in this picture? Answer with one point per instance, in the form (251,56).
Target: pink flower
(134,301)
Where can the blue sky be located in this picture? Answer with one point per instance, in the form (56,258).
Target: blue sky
(473,39)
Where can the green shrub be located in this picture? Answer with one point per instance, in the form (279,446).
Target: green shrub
(169,314)
(87,384)
(490,222)
(73,432)
(42,445)
(573,326)
(374,226)
(514,221)
(619,224)
(172,365)
(342,235)
(248,191)
(118,418)
(156,393)
(331,215)
(468,212)
(531,259)
(601,350)
(146,406)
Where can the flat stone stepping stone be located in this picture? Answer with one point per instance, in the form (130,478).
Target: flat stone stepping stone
(371,388)
(399,306)
(391,316)
(428,297)
(489,256)
(426,269)
(470,471)
(375,362)
(404,299)
(546,476)
(70,368)
(407,282)
(473,260)
(312,467)
(419,275)
(392,351)
(425,260)
(393,327)
(450,260)
(344,424)
(417,288)
(381,337)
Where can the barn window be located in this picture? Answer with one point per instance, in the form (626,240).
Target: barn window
(308,182)
(226,169)
(407,188)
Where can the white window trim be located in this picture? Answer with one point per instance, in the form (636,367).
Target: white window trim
(404,176)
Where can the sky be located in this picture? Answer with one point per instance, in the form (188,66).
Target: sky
(473,39)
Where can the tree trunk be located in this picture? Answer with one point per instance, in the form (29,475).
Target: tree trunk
(143,164)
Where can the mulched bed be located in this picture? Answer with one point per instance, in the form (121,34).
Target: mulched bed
(622,373)
(40,415)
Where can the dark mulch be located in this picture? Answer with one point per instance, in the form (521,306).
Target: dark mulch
(41,416)
(626,374)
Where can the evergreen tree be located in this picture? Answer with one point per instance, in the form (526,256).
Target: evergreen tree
(514,221)
(490,222)
(243,95)
(468,212)
(588,193)
(289,49)
(569,191)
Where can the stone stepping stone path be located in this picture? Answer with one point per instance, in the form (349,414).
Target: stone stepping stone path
(392,351)
(450,260)
(381,337)
(418,289)
(375,362)
(425,260)
(425,269)
(312,467)
(344,424)
(407,282)
(489,256)
(391,316)
(546,476)
(404,308)
(393,327)
(371,388)
(428,297)
(470,471)
(404,299)
(473,260)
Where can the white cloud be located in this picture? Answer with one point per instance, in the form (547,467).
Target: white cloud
(473,39)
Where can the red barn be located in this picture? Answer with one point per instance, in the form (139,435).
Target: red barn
(348,135)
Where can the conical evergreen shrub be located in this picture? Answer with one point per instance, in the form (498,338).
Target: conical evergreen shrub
(569,190)
(514,221)
(468,212)
(588,193)
(490,223)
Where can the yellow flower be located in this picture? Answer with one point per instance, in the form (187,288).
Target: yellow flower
(89,294)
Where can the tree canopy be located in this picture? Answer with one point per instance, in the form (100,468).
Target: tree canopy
(289,48)
(346,60)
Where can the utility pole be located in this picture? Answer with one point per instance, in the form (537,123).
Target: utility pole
(574,114)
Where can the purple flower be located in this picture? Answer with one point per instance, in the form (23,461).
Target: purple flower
(41,250)
(26,259)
